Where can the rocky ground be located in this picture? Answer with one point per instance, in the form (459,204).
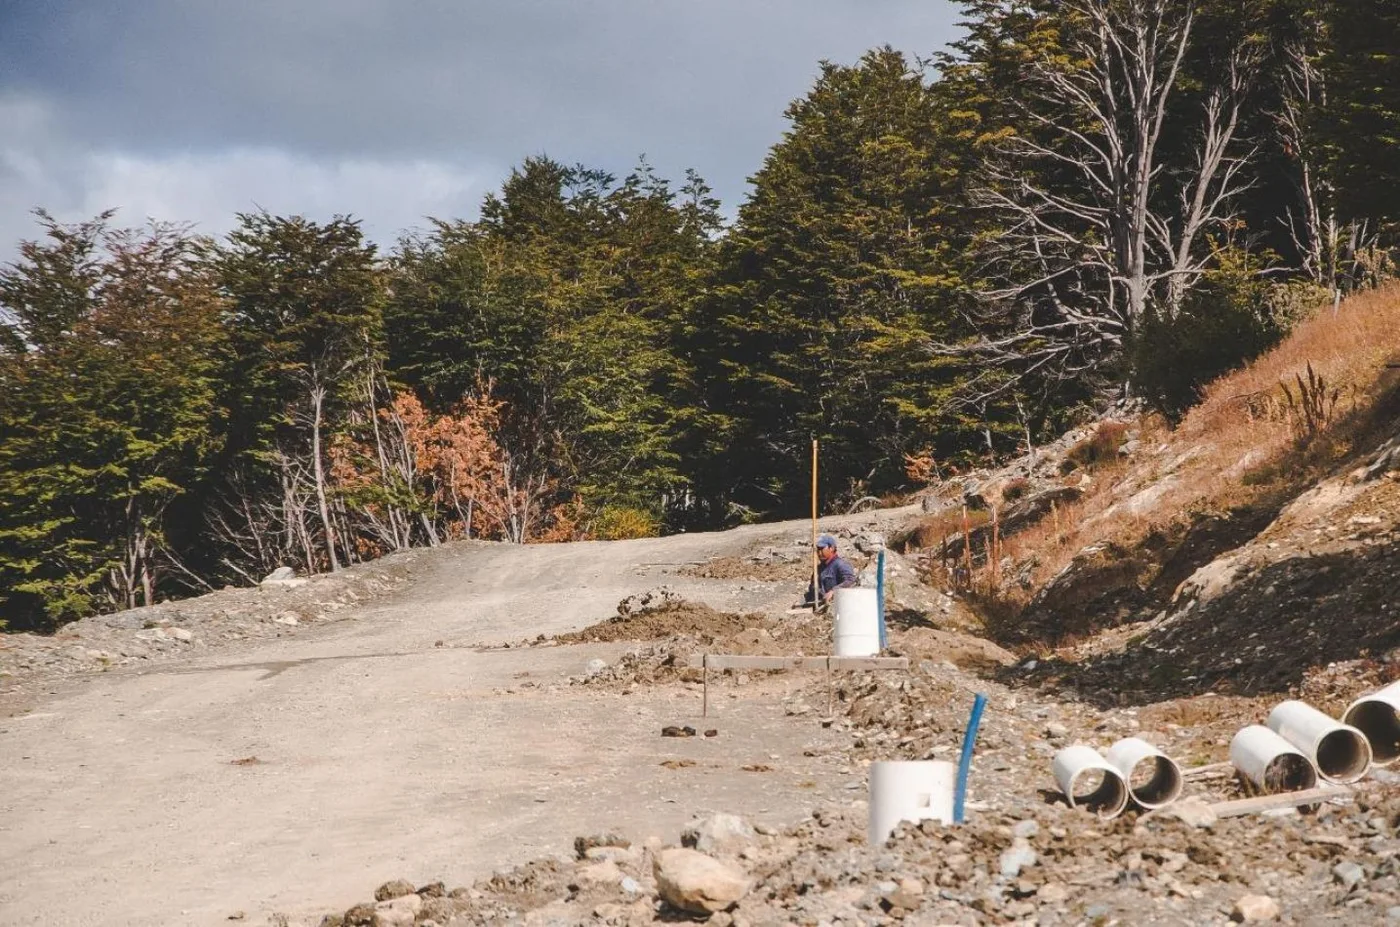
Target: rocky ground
(1023,856)
(176,630)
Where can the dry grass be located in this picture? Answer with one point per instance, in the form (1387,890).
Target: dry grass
(1236,449)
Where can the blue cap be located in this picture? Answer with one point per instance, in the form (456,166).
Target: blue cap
(826,540)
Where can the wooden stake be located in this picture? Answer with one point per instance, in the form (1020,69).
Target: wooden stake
(996,549)
(967,546)
(705,688)
(816,568)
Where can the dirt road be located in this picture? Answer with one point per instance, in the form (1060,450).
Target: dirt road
(387,745)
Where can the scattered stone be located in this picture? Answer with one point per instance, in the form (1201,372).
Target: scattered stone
(583,844)
(281,574)
(719,834)
(1348,874)
(672,730)
(1253,908)
(398,912)
(595,666)
(1017,857)
(1192,811)
(688,880)
(287,618)
(182,635)
(395,888)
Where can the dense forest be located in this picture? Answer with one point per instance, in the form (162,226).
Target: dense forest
(941,260)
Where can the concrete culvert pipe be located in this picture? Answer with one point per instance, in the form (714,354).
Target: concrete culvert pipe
(1270,762)
(1340,752)
(1378,717)
(1154,780)
(1089,781)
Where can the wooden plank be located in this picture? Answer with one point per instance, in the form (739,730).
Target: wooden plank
(727,661)
(1208,771)
(869,663)
(1232,809)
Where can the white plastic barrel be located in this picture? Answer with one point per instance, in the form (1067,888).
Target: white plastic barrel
(909,790)
(856,628)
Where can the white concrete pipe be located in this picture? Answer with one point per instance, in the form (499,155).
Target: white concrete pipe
(1270,762)
(1154,780)
(1339,752)
(1378,717)
(1090,781)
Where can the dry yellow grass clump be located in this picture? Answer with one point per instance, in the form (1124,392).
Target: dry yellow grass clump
(1248,442)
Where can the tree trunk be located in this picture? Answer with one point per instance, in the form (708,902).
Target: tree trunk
(318,398)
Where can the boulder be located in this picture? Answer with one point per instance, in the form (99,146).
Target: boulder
(1254,908)
(395,888)
(398,912)
(688,880)
(280,575)
(719,834)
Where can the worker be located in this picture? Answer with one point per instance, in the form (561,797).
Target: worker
(833,573)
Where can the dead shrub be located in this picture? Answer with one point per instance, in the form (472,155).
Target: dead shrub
(1015,489)
(1101,447)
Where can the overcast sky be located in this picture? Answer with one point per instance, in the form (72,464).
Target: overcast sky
(392,110)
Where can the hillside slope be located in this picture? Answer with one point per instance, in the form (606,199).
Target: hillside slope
(1230,554)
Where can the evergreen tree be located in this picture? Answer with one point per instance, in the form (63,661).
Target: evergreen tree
(107,415)
(837,273)
(305,325)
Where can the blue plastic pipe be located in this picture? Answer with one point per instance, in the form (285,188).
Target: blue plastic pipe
(880,592)
(965,764)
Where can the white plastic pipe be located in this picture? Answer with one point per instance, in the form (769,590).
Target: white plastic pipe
(857,626)
(1090,781)
(1270,762)
(1378,717)
(909,790)
(1154,780)
(1340,752)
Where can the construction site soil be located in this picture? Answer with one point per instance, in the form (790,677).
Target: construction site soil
(515,742)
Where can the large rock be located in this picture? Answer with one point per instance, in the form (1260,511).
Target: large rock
(719,834)
(688,880)
(1254,909)
(279,575)
(398,912)
(395,888)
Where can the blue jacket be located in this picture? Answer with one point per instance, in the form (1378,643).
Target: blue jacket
(835,574)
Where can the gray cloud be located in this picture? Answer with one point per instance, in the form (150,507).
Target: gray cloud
(391,109)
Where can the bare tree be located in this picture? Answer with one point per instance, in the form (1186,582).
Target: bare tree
(1334,254)
(1099,225)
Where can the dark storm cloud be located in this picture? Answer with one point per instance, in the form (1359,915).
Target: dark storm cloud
(474,86)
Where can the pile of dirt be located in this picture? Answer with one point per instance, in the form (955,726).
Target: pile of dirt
(678,631)
(668,617)
(792,570)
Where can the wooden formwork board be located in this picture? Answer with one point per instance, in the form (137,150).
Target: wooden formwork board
(1240,806)
(726,661)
